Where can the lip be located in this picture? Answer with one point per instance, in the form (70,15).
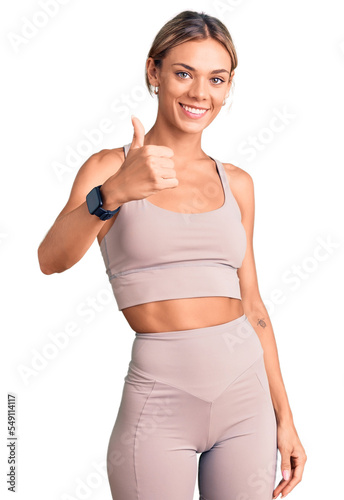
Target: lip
(193,116)
(192,106)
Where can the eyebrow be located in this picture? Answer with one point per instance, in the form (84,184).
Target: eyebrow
(193,69)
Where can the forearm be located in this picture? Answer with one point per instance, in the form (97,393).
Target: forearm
(68,240)
(261,323)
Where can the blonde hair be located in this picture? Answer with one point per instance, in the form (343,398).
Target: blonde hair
(185,26)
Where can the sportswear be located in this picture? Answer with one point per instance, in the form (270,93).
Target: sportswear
(195,407)
(154,254)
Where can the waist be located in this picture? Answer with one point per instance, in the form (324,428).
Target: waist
(182,314)
(202,361)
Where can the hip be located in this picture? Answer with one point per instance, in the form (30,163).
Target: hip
(202,361)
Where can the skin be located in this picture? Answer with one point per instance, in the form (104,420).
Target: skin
(194,169)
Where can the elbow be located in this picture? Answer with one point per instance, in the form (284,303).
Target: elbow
(46,267)
(254,305)
(43,265)
(45,270)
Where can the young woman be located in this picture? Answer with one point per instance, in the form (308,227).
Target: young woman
(175,229)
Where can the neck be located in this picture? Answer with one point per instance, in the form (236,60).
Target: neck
(186,145)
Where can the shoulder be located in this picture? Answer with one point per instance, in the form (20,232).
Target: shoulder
(98,168)
(241,185)
(108,156)
(94,172)
(237,176)
(101,165)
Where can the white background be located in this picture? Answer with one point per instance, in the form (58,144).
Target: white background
(86,64)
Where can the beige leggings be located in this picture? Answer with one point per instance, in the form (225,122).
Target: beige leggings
(200,391)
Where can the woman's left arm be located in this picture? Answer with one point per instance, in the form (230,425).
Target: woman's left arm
(293,456)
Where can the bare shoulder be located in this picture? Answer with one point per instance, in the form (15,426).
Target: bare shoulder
(99,167)
(237,175)
(241,185)
(94,172)
(109,156)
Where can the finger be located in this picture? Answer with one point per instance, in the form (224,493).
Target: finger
(279,488)
(165,167)
(296,478)
(159,151)
(281,485)
(285,465)
(139,133)
(167,175)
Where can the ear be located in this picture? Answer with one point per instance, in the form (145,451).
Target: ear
(152,72)
(230,81)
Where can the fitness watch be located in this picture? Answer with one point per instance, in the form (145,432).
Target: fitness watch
(94,203)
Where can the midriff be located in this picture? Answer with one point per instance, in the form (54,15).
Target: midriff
(182,314)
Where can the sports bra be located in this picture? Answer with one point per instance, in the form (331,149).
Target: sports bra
(152,254)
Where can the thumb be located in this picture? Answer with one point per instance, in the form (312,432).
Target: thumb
(285,467)
(139,133)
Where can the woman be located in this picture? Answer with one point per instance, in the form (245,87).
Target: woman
(175,229)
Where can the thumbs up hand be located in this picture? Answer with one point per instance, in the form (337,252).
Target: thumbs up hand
(146,169)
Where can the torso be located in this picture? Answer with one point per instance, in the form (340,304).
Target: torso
(184,313)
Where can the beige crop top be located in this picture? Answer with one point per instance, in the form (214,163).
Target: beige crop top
(153,254)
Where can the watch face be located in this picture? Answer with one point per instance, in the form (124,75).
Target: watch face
(93,200)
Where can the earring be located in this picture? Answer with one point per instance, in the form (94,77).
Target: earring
(156,91)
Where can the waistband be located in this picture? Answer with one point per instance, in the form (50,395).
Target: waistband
(194,332)
(174,281)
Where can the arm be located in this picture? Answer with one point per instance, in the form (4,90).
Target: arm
(75,229)
(293,456)
(253,305)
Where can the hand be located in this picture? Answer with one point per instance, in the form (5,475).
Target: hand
(145,171)
(293,459)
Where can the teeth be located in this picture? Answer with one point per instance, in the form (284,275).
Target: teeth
(194,110)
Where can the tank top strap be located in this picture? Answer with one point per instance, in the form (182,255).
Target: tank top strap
(229,193)
(126,148)
(224,179)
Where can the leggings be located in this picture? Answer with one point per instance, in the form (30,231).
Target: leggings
(187,392)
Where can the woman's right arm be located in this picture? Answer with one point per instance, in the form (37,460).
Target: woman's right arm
(75,229)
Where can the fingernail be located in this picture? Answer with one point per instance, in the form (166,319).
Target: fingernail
(286,475)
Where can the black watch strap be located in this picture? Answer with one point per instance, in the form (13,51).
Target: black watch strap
(94,203)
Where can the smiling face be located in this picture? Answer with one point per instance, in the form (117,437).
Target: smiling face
(194,79)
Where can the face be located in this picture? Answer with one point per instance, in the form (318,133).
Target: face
(196,74)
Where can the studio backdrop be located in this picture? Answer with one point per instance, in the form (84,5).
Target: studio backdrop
(73,74)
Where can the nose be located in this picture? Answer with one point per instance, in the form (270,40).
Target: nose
(199,89)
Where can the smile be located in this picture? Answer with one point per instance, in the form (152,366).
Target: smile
(193,112)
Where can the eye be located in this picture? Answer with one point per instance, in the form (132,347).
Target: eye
(185,73)
(182,73)
(216,78)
